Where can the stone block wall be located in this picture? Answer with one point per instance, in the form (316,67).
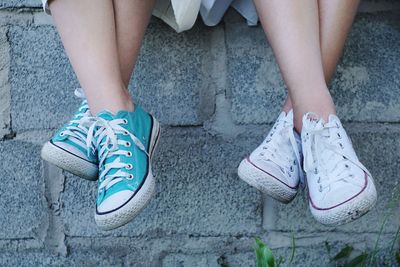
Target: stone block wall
(216,92)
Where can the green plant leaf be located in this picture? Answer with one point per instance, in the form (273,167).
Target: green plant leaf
(398,257)
(357,261)
(264,255)
(344,253)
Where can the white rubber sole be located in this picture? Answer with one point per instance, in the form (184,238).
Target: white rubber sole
(349,211)
(69,162)
(131,209)
(265,183)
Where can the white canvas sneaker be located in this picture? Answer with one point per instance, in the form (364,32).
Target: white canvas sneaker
(340,188)
(275,166)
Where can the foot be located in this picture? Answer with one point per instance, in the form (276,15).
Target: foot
(340,188)
(125,143)
(275,166)
(68,148)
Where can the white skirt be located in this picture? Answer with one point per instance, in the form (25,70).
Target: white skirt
(182,14)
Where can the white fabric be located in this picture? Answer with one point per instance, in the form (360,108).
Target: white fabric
(212,11)
(180,15)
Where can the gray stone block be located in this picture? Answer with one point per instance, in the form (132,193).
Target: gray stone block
(5,95)
(256,88)
(80,258)
(379,152)
(19,3)
(169,80)
(42,81)
(362,88)
(367,83)
(198,192)
(182,260)
(22,203)
(171,74)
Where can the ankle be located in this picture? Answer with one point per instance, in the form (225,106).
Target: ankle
(113,102)
(287,106)
(322,112)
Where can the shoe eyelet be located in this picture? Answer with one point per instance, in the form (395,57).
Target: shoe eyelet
(320,188)
(127,144)
(291,169)
(129,154)
(125,121)
(339,136)
(125,133)
(347,166)
(62,134)
(130,177)
(129,167)
(341,145)
(316,171)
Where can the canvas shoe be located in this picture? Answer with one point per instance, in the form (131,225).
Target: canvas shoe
(125,143)
(68,148)
(340,188)
(275,166)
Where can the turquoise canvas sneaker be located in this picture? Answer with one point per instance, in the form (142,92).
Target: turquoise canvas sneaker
(69,148)
(125,143)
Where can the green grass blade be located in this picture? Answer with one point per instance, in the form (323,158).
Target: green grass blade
(395,239)
(344,253)
(279,261)
(357,261)
(293,249)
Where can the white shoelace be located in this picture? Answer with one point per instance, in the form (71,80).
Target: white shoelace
(105,137)
(326,155)
(78,133)
(276,152)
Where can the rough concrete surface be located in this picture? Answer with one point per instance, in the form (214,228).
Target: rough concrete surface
(216,92)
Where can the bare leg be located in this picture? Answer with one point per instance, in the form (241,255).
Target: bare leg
(89,37)
(132,18)
(292,28)
(335,18)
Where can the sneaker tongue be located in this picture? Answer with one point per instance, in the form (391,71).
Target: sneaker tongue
(106,115)
(312,117)
(289,115)
(334,119)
